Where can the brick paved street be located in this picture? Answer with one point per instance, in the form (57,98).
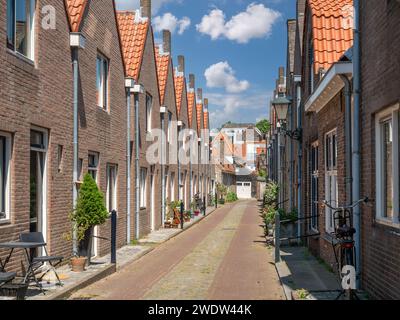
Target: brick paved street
(222,257)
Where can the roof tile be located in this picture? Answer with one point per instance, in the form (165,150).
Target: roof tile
(179,85)
(162,60)
(75,11)
(199,110)
(133,33)
(332,23)
(191,104)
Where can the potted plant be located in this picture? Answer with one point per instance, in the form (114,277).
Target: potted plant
(194,208)
(89,212)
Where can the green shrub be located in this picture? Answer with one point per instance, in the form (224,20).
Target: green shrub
(231,197)
(271,194)
(90,209)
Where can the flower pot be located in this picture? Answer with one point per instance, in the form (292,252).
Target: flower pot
(78,264)
(85,246)
(197,213)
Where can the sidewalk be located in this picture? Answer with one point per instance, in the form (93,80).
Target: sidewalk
(299,270)
(102,267)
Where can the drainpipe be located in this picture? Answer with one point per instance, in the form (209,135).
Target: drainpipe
(190,172)
(76,145)
(138,89)
(299,156)
(77,41)
(163,111)
(291,176)
(356,137)
(129,83)
(348,138)
(179,162)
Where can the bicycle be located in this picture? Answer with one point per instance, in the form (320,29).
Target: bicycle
(344,235)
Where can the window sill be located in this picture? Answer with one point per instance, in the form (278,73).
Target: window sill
(5,222)
(387,223)
(106,111)
(21,57)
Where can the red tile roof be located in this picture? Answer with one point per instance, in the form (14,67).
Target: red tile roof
(133,35)
(179,85)
(191,104)
(199,109)
(75,11)
(162,61)
(205,120)
(332,30)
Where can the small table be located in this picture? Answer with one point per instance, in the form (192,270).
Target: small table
(29,249)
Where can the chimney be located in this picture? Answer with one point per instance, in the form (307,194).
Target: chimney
(145,6)
(281,75)
(191,81)
(166,41)
(200,94)
(181,64)
(205,104)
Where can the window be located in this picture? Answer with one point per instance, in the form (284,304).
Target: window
(102,69)
(331,186)
(5,157)
(172,186)
(80,166)
(93,164)
(143,188)
(149,108)
(112,170)
(20,26)
(314,186)
(169,133)
(60,154)
(387,166)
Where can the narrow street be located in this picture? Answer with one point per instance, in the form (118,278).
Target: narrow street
(223,257)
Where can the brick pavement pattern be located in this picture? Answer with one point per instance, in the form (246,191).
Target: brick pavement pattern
(222,257)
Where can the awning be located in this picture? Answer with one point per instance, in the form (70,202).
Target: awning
(329,87)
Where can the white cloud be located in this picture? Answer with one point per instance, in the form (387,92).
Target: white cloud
(221,75)
(135,4)
(255,22)
(169,22)
(238,107)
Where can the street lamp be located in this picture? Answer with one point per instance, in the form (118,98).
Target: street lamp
(281,106)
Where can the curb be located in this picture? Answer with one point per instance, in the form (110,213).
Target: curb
(64,294)
(283,272)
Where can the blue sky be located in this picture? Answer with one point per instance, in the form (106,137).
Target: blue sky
(234,47)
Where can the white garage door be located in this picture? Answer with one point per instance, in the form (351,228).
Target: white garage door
(243,190)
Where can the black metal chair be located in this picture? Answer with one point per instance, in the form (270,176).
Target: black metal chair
(6,277)
(40,261)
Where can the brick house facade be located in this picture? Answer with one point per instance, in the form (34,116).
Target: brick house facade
(37,122)
(379,104)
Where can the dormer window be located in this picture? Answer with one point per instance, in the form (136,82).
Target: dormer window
(20,26)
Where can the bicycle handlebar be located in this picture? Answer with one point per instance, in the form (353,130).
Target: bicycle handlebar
(352,206)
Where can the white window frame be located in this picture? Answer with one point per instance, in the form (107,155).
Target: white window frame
(102,89)
(169,133)
(330,172)
(149,112)
(94,169)
(172,185)
(143,188)
(112,168)
(314,174)
(31,29)
(391,113)
(7,183)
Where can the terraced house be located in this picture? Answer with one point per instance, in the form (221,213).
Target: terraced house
(322,80)
(39,94)
(88,95)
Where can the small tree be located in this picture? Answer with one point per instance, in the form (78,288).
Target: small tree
(263,126)
(90,210)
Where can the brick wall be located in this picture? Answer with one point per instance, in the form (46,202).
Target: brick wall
(380,40)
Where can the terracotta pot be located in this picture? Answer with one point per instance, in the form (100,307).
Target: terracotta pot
(78,264)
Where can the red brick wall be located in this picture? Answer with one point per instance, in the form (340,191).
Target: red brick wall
(380,40)
(41,94)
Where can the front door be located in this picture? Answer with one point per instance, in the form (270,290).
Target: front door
(152,209)
(37,186)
